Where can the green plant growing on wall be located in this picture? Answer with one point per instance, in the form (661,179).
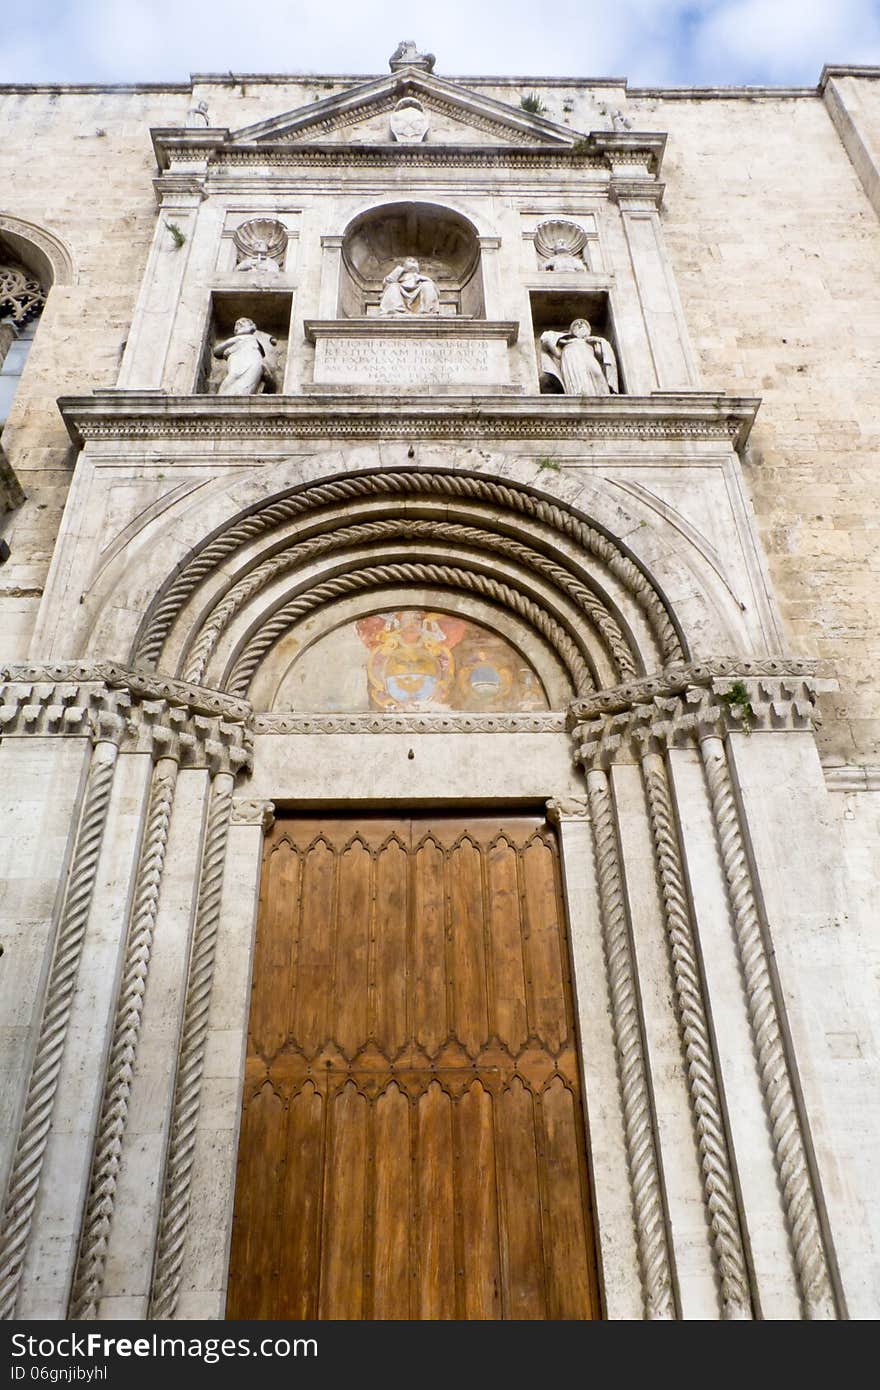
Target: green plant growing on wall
(549,463)
(580,146)
(177,236)
(532,103)
(737,698)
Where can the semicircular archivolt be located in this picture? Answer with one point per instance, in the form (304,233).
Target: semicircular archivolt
(571,650)
(508,498)
(247,589)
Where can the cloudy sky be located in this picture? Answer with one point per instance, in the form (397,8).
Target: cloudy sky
(652,42)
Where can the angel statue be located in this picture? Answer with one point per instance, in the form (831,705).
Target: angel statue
(583,363)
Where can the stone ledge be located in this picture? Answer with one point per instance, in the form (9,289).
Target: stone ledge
(697,415)
(434,327)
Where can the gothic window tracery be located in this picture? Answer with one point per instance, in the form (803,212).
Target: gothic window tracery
(22,298)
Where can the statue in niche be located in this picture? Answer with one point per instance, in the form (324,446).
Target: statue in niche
(260,244)
(247,366)
(409,121)
(560,245)
(197,115)
(408,291)
(582,362)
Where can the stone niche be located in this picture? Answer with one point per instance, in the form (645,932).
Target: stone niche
(444,243)
(557,310)
(269,309)
(441,340)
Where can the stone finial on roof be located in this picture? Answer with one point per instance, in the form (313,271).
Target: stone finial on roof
(406,55)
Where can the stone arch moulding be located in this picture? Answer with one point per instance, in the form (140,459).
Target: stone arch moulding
(39,249)
(243,586)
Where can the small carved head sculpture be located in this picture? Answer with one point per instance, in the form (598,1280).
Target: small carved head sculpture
(244,326)
(580,328)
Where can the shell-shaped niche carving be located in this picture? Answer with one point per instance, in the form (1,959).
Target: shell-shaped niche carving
(260,244)
(560,244)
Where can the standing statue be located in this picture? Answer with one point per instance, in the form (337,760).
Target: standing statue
(197,115)
(585,364)
(408,291)
(246,366)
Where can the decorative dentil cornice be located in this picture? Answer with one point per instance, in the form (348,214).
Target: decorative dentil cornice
(693,701)
(104,702)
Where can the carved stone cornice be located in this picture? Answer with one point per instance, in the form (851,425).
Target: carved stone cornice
(672,416)
(686,703)
(104,702)
(549,723)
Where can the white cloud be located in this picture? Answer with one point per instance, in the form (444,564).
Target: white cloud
(648,41)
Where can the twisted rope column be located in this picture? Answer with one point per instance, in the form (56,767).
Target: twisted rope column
(644,1172)
(33,1136)
(174,1214)
(789,1147)
(702,1077)
(88,1275)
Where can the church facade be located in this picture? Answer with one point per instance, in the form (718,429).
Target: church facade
(440,717)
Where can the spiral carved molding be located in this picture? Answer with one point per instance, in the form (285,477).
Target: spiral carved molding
(388,530)
(107,1151)
(505,496)
(174,1216)
(789,1144)
(373,575)
(33,1135)
(702,1078)
(644,1171)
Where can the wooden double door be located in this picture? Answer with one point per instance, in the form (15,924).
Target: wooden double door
(412,1138)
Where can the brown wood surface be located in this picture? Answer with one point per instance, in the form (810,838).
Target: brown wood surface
(412,1139)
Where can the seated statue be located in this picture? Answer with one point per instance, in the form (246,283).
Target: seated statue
(247,369)
(408,291)
(583,363)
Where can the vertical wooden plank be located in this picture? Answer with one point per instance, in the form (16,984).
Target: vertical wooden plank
(393,1207)
(522,1247)
(254,1268)
(311,1005)
(391,964)
(572,1284)
(477,1198)
(348,1025)
(428,987)
(345,1198)
(436,1246)
(270,1016)
(509,1021)
(470,1023)
(550,1020)
(301,1211)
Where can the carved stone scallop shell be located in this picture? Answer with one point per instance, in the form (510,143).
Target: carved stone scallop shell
(249,236)
(556,231)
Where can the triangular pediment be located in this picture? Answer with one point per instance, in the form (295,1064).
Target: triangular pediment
(362,115)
